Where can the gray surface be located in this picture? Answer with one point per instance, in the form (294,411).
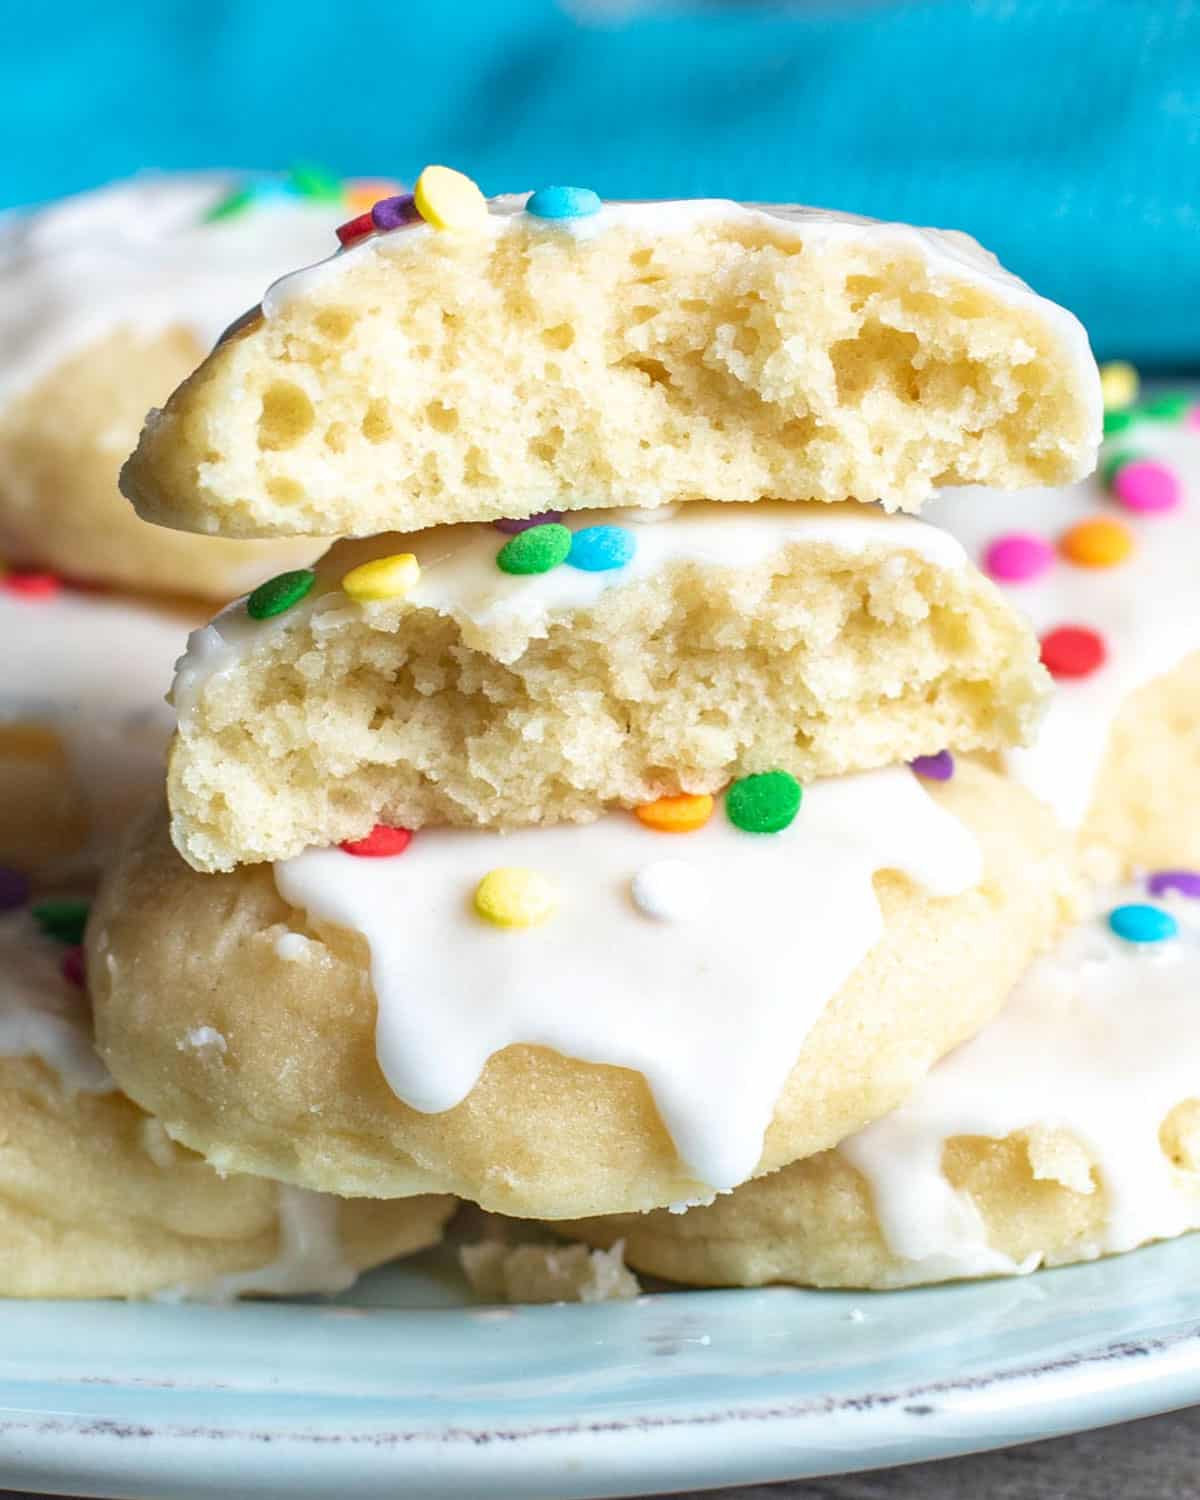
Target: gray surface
(1152,1460)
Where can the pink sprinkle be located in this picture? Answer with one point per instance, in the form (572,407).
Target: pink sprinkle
(1146,485)
(1192,421)
(1018,557)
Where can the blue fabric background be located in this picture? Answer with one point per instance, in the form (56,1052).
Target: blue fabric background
(1064,133)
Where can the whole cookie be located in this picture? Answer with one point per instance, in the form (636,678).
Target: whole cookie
(109,299)
(1106,571)
(610,1016)
(1068,1128)
(95,1198)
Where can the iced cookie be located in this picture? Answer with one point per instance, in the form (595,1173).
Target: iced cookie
(461,360)
(83,721)
(609,1015)
(107,301)
(470,675)
(1068,1129)
(1107,572)
(96,1200)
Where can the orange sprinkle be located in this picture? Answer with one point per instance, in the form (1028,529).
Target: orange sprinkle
(682,814)
(362,196)
(1101,542)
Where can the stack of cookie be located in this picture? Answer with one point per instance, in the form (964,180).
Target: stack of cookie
(617,814)
(106,302)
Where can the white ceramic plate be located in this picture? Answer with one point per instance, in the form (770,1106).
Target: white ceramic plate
(405,1388)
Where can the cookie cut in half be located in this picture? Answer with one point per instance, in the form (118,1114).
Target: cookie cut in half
(471,676)
(626,354)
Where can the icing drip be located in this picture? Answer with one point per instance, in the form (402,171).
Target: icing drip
(310,1256)
(714,1005)
(93,670)
(42,1014)
(459,576)
(947,252)
(139,254)
(1097,1041)
(1144,609)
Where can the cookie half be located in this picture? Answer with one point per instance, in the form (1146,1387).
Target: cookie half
(415,680)
(638,354)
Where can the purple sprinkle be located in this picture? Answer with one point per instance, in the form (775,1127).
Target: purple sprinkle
(14,889)
(394,213)
(1185,882)
(510,528)
(939,767)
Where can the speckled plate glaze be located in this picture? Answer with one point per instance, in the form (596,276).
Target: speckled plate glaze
(404,1387)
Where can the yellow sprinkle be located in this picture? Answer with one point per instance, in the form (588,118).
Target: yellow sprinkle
(681,814)
(1101,542)
(1118,385)
(384,578)
(448,200)
(515,897)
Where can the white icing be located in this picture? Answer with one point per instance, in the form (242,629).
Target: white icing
(1100,1039)
(310,1256)
(138,254)
(42,1014)
(459,576)
(94,669)
(948,253)
(1145,608)
(720,1016)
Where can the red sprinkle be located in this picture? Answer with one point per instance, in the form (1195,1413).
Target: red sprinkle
(32,585)
(1073,651)
(72,967)
(355,229)
(381,842)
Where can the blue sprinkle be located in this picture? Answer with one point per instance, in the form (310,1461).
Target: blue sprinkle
(562,203)
(1139,923)
(596,549)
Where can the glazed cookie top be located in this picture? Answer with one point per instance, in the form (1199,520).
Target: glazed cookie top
(1099,1041)
(458,351)
(700,940)
(151,252)
(1106,570)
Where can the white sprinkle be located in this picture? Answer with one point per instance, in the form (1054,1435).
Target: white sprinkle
(669,890)
(201,1037)
(291,947)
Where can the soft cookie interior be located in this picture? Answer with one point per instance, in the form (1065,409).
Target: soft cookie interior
(660,352)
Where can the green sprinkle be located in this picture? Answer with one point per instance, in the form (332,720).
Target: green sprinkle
(279,593)
(1118,421)
(1111,467)
(307,181)
(765,803)
(231,205)
(535,551)
(62,920)
(1171,406)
